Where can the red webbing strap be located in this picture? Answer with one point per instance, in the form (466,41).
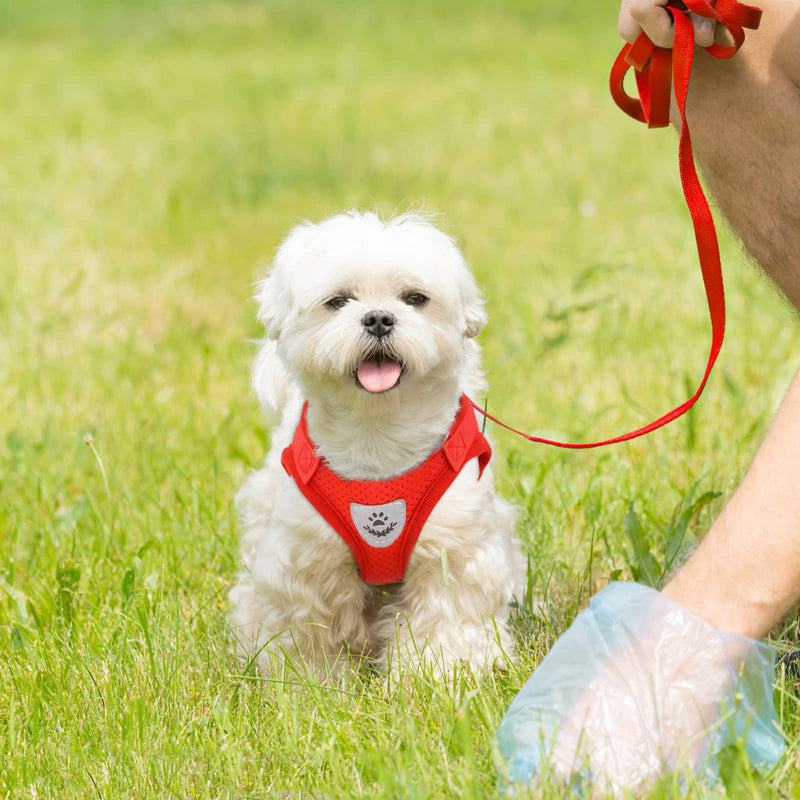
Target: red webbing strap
(653,80)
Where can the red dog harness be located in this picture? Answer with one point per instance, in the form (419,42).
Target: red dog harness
(380,521)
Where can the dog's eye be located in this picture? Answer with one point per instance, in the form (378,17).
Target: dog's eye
(414,299)
(337,302)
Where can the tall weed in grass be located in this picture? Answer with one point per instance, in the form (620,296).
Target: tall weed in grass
(152,156)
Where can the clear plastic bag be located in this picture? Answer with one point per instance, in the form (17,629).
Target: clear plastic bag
(639,687)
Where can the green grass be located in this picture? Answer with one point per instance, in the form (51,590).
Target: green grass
(152,155)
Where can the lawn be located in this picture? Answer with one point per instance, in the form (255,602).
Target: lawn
(152,156)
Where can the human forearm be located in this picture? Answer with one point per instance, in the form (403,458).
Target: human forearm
(745,575)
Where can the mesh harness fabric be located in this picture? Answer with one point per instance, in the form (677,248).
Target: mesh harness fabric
(380,521)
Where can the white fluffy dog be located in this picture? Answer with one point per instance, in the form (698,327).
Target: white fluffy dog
(372,324)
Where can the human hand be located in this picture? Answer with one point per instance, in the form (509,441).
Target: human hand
(652,17)
(639,687)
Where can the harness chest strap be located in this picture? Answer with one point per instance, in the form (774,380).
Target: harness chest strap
(380,521)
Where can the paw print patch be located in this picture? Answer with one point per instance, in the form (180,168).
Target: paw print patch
(379,526)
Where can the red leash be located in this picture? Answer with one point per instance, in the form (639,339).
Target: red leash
(657,69)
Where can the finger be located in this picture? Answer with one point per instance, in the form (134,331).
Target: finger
(654,20)
(703,30)
(723,36)
(627,27)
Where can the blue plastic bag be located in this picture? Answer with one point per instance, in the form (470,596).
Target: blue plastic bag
(639,687)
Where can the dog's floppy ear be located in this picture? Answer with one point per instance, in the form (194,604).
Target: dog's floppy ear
(274,295)
(475,317)
(270,381)
(469,294)
(268,305)
(474,313)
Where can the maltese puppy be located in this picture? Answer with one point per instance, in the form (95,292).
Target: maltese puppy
(373,530)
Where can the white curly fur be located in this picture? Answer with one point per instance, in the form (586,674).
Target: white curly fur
(300,595)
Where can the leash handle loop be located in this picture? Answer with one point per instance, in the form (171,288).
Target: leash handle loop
(658,69)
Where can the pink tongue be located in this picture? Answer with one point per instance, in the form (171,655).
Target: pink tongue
(378,377)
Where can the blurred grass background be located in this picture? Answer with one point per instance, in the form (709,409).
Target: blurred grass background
(152,156)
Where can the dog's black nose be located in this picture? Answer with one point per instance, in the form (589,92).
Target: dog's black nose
(378,323)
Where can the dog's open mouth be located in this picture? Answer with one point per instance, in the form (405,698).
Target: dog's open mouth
(379,374)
